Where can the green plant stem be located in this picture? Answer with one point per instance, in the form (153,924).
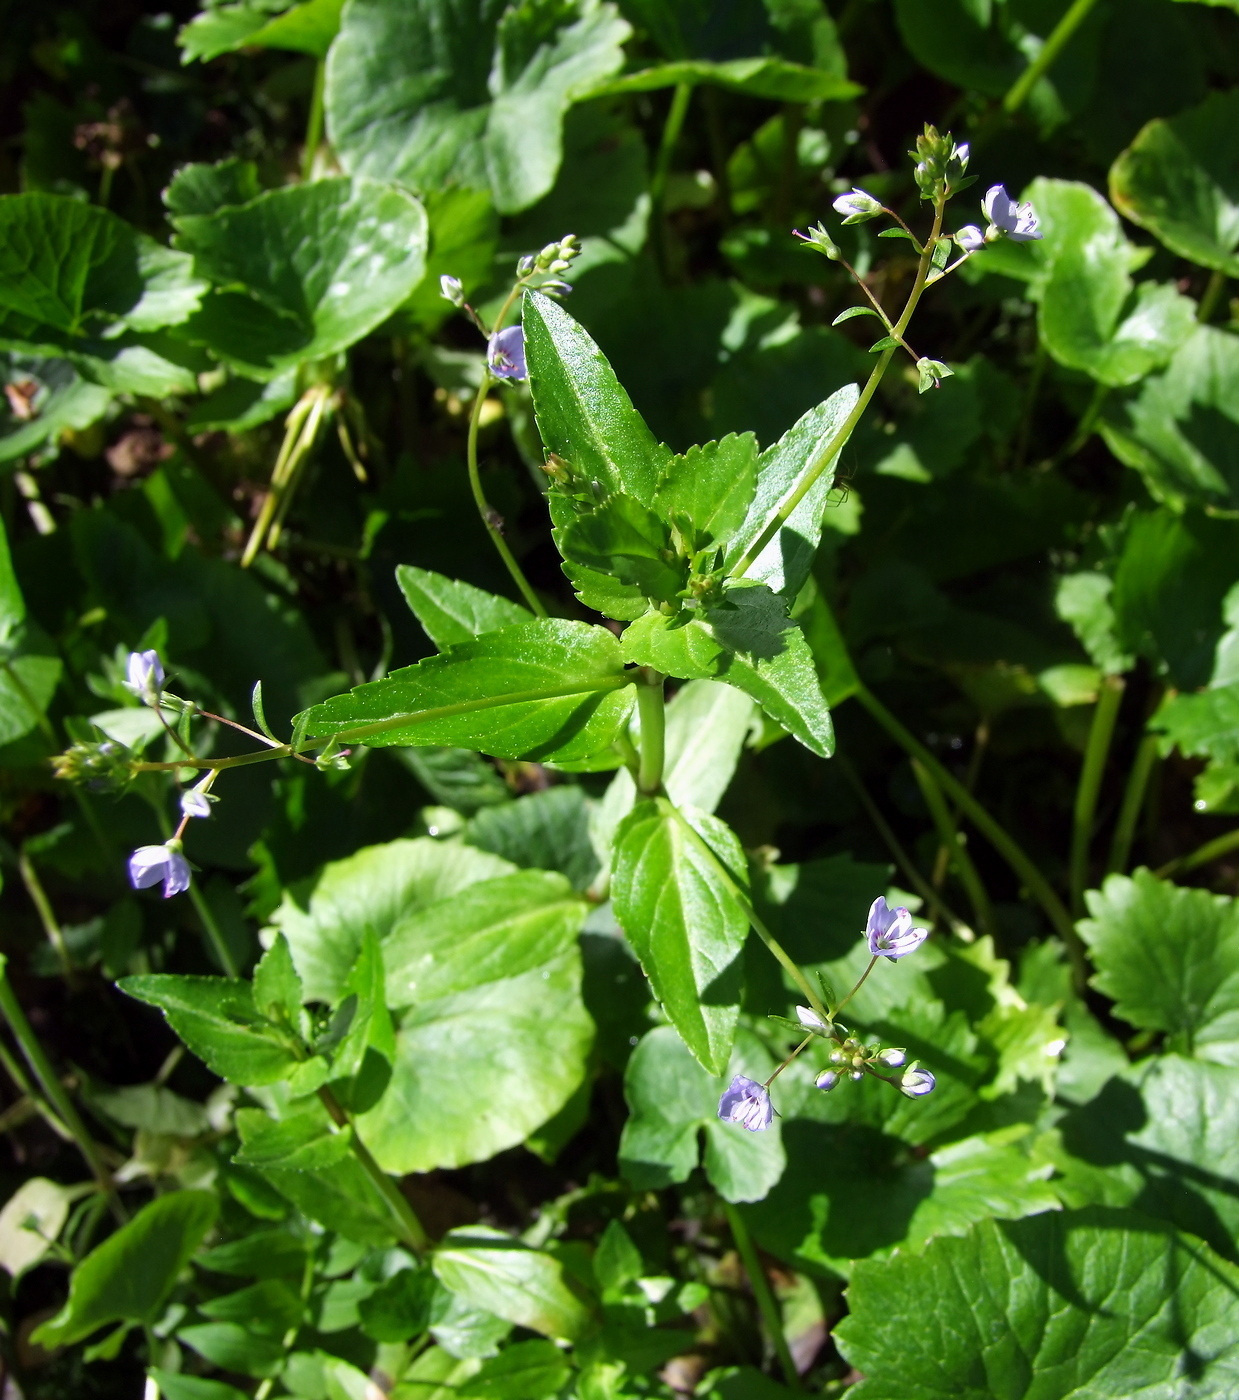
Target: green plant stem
(1133,800)
(1018,859)
(745,904)
(1030,402)
(314,125)
(32,1049)
(1212,295)
(627,750)
(283,496)
(953,842)
(902,859)
(652,709)
(31,1094)
(860,982)
(294,428)
(1096,751)
(1202,855)
(1088,421)
(490,517)
(835,445)
(408,1226)
(47,915)
(672,127)
(762,1295)
(210,925)
(1053,46)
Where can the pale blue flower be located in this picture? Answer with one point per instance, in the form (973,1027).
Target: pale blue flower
(150,864)
(506,353)
(970,238)
(747,1103)
(144,676)
(195,803)
(1017,221)
(890,933)
(916,1082)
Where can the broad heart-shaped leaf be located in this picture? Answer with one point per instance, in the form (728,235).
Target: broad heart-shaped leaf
(751,644)
(772,78)
(711,486)
(628,541)
(783,565)
(1169,958)
(128,1276)
(307,28)
(546,830)
(1163,1137)
(439,92)
(540,69)
(1047,1307)
(216,1017)
(583,413)
(451,611)
(1180,179)
(202,188)
(304,271)
(1180,429)
(1093,318)
(325,920)
(677,907)
(548,689)
(69,269)
(671,1098)
(499,1274)
(493,974)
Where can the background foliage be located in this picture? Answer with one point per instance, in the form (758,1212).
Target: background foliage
(225,231)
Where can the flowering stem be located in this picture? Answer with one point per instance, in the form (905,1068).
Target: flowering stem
(10,1009)
(762,1296)
(662,165)
(1213,294)
(1133,800)
(1100,734)
(1016,857)
(1202,855)
(788,1061)
(652,709)
(953,843)
(490,517)
(873,962)
(835,445)
(745,905)
(408,1226)
(314,126)
(1053,46)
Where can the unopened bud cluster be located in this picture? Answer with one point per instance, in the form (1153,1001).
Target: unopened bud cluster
(853,1060)
(941,164)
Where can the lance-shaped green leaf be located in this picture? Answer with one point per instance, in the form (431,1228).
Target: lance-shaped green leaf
(128,1277)
(216,1017)
(302,1141)
(672,1099)
(361,1063)
(711,487)
(1180,179)
(451,611)
(549,689)
(628,541)
(1046,1306)
(1169,958)
(277,988)
(499,1274)
(304,271)
(673,887)
(339,1195)
(583,413)
(784,563)
(776,79)
(750,643)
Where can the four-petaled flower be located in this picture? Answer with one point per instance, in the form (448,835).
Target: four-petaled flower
(890,933)
(195,803)
(916,1082)
(144,676)
(506,353)
(1017,221)
(150,864)
(747,1103)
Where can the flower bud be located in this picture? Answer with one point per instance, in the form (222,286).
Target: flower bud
(892,1058)
(144,676)
(970,238)
(857,206)
(810,1019)
(916,1082)
(195,803)
(450,289)
(525,266)
(827,1080)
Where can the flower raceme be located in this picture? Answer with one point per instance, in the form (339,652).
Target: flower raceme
(890,934)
